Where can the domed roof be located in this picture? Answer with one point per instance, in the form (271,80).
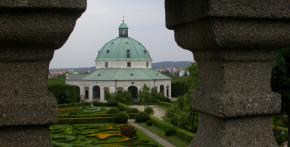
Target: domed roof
(119,48)
(123,26)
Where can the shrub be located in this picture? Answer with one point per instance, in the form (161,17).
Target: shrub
(149,122)
(113,110)
(149,110)
(120,118)
(123,97)
(169,132)
(128,131)
(133,110)
(65,94)
(141,117)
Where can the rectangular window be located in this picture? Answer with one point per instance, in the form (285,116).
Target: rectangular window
(106,64)
(147,64)
(108,51)
(86,93)
(128,64)
(128,54)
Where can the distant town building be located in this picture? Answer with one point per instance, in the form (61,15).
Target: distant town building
(123,64)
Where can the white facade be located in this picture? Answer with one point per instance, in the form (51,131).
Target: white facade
(123,64)
(86,88)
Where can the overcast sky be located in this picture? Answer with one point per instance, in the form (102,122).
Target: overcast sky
(98,25)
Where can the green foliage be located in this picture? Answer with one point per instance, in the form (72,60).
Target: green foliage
(157,96)
(186,135)
(149,122)
(179,86)
(169,132)
(133,110)
(123,97)
(85,120)
(180,113)
(88,135)
(145,95)
(141,117)
(123,107)
(120,118)
(113,110)
(58,81)
(281,77)
(65,93)
(149,110)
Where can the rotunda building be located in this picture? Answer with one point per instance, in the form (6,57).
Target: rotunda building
(122,64)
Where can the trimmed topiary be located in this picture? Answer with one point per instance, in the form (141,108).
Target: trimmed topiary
(141,117)
(149,122)
(169,132)
(128,131)
(149,110)
(113,110)
(120,118)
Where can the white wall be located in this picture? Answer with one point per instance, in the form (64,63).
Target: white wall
(112,85)
(123,64)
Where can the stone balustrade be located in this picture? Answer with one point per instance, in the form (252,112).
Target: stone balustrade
(30,32)
(235,43)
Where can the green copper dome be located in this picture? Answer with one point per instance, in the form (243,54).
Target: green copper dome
(123,26)
(123,49)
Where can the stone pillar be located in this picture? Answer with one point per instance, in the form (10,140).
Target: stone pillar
(91,93)
(102,94)
(235,43)
(30,31)
(82,93)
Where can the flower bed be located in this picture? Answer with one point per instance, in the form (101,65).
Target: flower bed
(95,135)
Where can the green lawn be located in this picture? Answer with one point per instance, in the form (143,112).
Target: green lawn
(178,142)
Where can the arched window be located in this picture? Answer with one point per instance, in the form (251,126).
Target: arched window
(162,89)
(133,91)
(167,91)
(86,92)
(96,92)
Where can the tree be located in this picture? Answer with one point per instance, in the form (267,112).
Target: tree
(145,95)
(281,84)
(281,77)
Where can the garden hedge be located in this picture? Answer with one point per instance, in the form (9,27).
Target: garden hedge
(85,120)
(87,104)
(188,136)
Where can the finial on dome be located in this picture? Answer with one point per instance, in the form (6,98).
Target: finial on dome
(123,28)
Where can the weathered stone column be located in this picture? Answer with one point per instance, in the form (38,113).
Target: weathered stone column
(30,31)
(235,43)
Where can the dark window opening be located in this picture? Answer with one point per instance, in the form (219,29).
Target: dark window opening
(128,54)
(147,64)
(86,93)
(106,64)
(108,51)
(128,64)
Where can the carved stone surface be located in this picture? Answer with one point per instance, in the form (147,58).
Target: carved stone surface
(235,43)
(30,32)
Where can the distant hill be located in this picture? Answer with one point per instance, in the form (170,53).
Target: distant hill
(157,65)
(171,64)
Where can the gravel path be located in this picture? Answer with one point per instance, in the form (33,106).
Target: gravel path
(155,137)
(159,112)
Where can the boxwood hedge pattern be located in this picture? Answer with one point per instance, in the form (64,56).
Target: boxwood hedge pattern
(82,135)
